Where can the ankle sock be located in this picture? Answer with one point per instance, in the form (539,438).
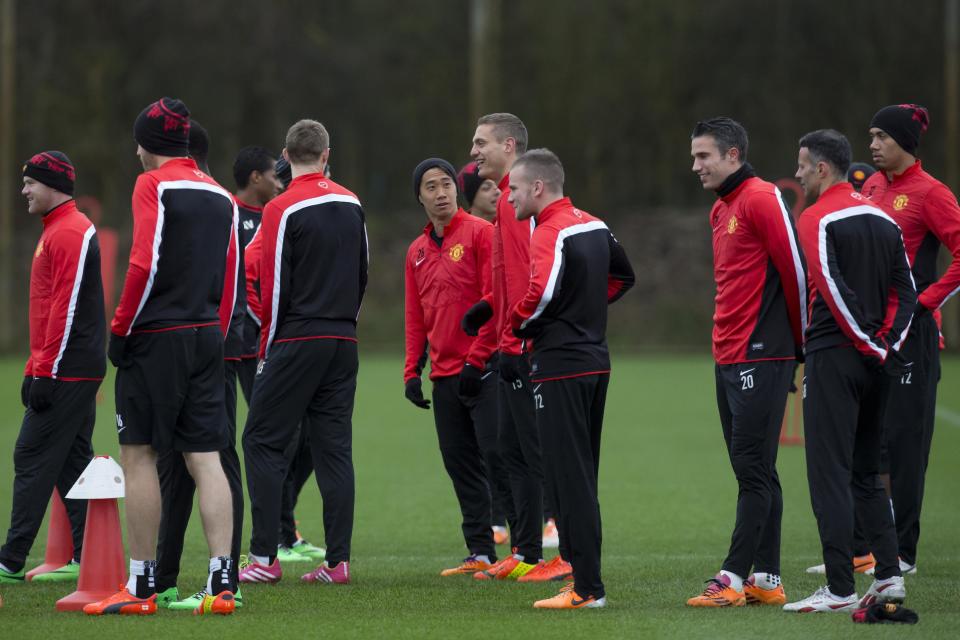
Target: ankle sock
(767,581)
(221,576)
(142,580)
(733,581)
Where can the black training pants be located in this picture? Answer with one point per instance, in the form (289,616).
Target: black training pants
(312,380)
(569,413)
(177,489)
(908,429)
(486,418)
(845,398)
(751,398)
(462,458)
(300,466)
(520,454)
(52,450)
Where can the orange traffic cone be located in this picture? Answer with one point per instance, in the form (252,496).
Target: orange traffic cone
(102,569)
(59,551)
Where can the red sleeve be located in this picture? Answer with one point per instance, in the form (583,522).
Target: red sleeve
(415,333)
(774,226)
(251,259)
(229,298)
(269,226)
(942,216)
(68,252)
(145,232)
(543,258)
(620,276)
(486,341)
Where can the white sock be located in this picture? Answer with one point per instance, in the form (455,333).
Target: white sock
(483,559)
(736,582)
(766,580)
(220,572)
(264,560)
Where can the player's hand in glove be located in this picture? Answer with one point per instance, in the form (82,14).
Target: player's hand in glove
(25,391)
(475,317)
(41,393)
(414,393)
(116,349)
(471,381)
(896,365)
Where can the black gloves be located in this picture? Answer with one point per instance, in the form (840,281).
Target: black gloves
(896,365)
(25,391)
(413,391)
(475,317)
(513,368)
(471,381)
(116,349)
(41,393)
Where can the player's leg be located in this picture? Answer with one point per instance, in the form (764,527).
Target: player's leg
(176,498)
(246,374)
(81,452)
(463,461)
(329,420)
(44,444)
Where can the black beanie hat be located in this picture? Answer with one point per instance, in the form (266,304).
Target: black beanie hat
(163,128)
(52,168)
(469,181)
(284,172)
(426,165)
(904,123)
(858,173)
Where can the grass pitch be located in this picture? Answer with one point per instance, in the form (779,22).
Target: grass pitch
(668,498)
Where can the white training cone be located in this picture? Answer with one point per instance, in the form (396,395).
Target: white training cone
(102,479)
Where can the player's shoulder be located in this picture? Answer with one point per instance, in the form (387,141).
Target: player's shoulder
(417,244)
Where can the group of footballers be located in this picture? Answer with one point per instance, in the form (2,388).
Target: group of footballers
(851,290)
(508,303)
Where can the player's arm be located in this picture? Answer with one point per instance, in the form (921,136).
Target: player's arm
(840,298)
(942,216)
(620,277)
(485,343)
(68,253)
(415,332)
(364,260)
(145,234)
(251,265)
(903,295)
(274,277)
(771,219)
(228,298)
(543,259)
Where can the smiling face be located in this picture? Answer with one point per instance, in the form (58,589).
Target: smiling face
(438,195)
(492,156)
(710,165)
(40,197)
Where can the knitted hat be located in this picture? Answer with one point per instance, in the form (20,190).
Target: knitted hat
(52,168)
(284,173)
(426,165)
(163,128)
(858,173)
(469,181)
(904,123)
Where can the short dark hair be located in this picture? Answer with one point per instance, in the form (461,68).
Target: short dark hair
(727,132)
(507,125)
(306,141)
(250,159)
(543,164)
(198,145)
(830,146)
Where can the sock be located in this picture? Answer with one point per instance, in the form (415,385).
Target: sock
(767,581)
(221,576)
(264,560)
(733,581)
(483,559)
(141,582)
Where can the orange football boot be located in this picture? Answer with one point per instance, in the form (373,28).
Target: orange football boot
(759,595)
(717,594)
(554,569)
(568,599)
(469,565)
(223,604)
(123,602)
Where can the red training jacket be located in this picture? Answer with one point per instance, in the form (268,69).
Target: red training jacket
(251,265)
(67,321)
(758,269)
(861,290)
(184,257)
(441,283)
(928,216)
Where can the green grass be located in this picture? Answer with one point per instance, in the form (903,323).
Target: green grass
(668,503)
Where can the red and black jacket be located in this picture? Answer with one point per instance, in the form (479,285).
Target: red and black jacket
(442,281)
(759,273)
(511,268)
(861,289)
(577,268)
(313,268)
(244,335)
(184,257)
(928,216)
(67,320)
